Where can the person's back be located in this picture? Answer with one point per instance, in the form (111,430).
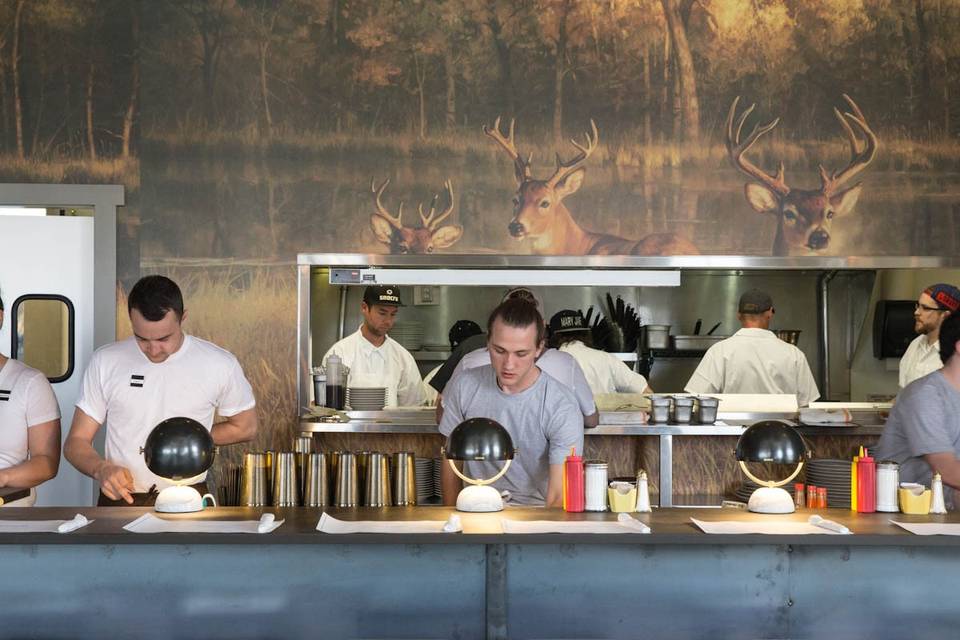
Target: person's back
(605,373)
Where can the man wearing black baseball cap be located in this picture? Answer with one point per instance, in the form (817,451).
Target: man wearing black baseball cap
(375,359)
(754,359)
(935,304)
(605,372)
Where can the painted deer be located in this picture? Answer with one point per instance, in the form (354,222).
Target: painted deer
(540,216)
(804,216)
(426,238)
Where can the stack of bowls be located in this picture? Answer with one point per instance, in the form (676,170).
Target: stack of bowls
(424,476)
(366,398)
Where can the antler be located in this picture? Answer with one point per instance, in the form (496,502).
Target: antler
(564,169)
(859,159)
(381,210)
(737,150)
(429,222)
(521,166)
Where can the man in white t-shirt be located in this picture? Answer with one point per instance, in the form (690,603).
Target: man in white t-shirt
(375,359)
(605,372)
(29,431)
(922,356)
(754,359)
(159,373)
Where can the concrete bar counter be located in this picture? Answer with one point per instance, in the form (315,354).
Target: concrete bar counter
(675,582)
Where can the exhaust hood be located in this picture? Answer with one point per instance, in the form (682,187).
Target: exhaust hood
(506,277)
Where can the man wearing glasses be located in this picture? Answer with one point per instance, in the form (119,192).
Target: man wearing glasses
(923,355)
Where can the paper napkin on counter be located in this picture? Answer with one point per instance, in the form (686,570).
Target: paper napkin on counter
(766,527)
(149,523)
(44,526)
(930,528)
(329,524)
(624,524)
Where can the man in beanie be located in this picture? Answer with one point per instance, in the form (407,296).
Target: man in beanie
(754,359)
(922,433)
(375,359)
(922,356)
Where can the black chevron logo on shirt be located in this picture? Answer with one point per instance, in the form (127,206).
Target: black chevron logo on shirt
(136,381)
(4,395)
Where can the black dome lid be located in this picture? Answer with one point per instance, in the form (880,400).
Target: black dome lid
(179,448)
(772,441)
(479,439)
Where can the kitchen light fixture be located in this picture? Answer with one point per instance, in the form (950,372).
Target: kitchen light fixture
(771,441)
(180,450)
(508,277)
(479,440)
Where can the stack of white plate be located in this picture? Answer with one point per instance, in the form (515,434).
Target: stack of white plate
(424,474)
(409,334)
(437,485)
(835,476)
(366,398)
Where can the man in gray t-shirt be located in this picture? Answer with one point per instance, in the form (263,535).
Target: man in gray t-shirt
(541,414)
(923,431)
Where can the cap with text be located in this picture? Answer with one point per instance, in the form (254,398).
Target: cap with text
(567,320)
(755,301)
(382,295)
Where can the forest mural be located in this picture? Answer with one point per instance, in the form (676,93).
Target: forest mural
(246,131)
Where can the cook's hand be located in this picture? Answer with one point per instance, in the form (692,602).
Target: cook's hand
(3,479)
(116,482)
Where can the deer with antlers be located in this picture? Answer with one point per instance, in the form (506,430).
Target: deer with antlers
(540,216)
(426,238)
(804,216)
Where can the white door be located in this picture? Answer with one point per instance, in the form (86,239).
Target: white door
(53,255)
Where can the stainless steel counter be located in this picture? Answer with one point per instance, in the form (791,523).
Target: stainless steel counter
(612,423)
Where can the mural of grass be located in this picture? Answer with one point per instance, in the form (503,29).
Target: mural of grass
(71,170)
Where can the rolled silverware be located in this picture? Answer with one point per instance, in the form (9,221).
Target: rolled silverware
(404,479)
(253,483)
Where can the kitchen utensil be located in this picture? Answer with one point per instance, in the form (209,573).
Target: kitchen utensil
(696,327)
(253,484)
(714,328)
(706,410)
(317,486)
(337,373)
(285,487)
(363,461)
(302,446)
(319,387)
(404,479)
(657,336)
(660,408)
(345,493)
(791,336)
(376,490)
(682,409)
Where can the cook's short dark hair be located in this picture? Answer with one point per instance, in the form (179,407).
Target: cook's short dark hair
(519,313)
(154,297)
(949,336)
(557,340)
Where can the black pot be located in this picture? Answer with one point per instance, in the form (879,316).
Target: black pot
(178,448)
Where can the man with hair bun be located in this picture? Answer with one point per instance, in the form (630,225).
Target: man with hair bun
(935,304)
(541,414)
(133,385)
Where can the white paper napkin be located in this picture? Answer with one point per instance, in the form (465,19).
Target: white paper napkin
(43,526)
(329,524)
(930,528)
(766,527)
(624,524)
(149,523)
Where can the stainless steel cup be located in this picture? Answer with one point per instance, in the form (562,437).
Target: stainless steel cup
(404,479)
(345,494)
(376,488)
(302,446)
(269,457)
(253,483)
(363,460)
(317,489)
(285,485)
(334,466)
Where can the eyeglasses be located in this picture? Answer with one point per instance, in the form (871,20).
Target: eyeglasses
(918,306)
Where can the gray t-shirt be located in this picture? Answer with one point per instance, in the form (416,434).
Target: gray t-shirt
(544,422)
(925,419)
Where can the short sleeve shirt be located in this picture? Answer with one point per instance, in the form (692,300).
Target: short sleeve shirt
(754,361)
(605,373)
(925,419)
(389,365)
(131,395)
(543,421)
(26,400)
(561,366)
(920,359)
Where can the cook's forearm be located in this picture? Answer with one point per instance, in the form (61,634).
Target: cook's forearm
(83,456)
(29,473)
(241,427)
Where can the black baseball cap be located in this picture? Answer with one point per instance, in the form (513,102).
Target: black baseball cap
(461,330)
(567,320)
(385,295)
(755,301)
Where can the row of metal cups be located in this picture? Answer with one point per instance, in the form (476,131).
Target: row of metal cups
(337,478)
(683,409)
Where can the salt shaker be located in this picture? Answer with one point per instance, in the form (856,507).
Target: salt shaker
(937,504)
(643,493)
(596,485)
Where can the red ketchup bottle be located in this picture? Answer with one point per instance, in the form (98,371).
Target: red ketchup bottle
(866,484)
(573,496)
